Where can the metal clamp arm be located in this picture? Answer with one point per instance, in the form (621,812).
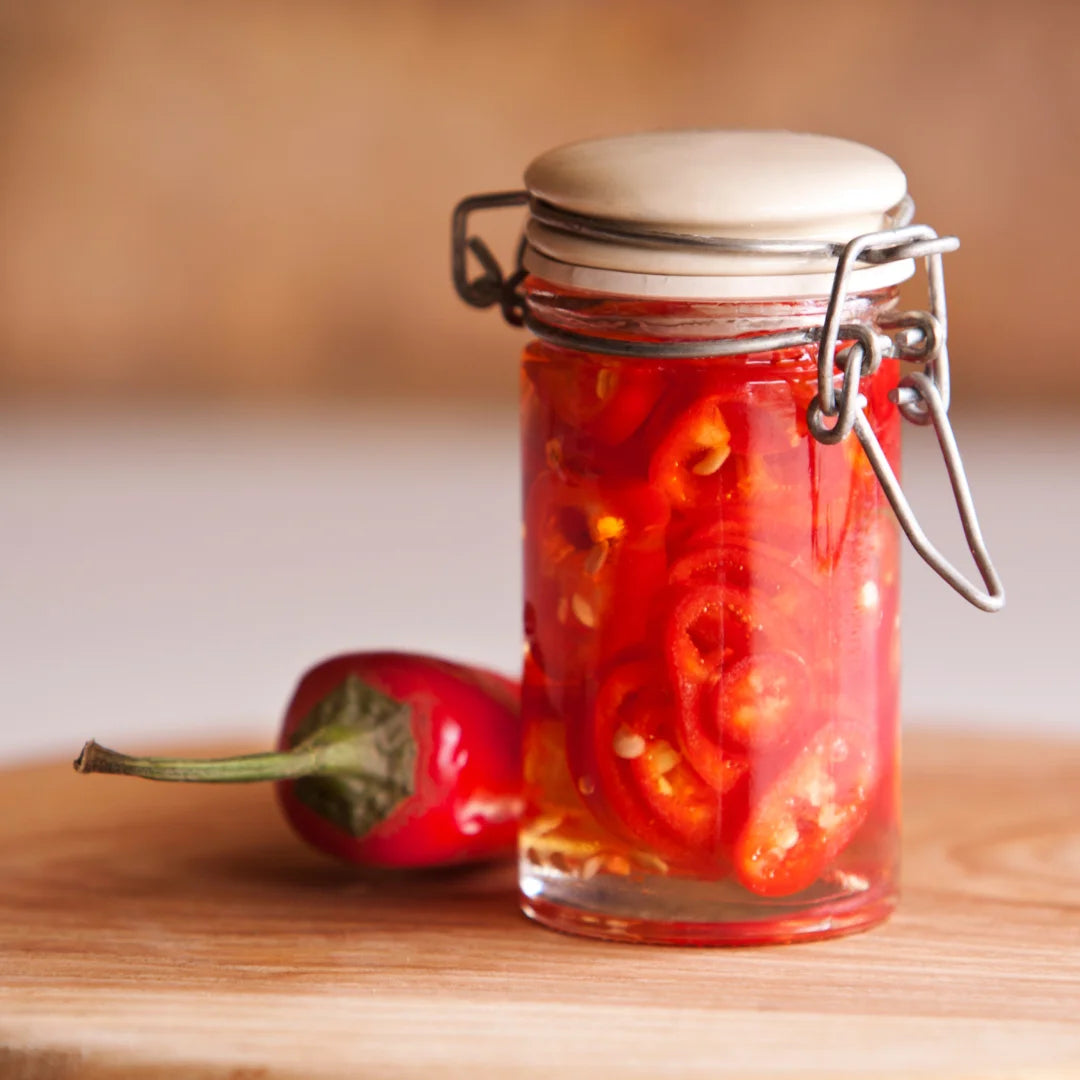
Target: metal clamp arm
(492,286)
(921,387)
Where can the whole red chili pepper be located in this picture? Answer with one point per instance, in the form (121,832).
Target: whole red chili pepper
(385,759)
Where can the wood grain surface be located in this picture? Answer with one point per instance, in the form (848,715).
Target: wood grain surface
(150,930)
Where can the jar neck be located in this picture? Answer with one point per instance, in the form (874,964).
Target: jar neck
(686,320)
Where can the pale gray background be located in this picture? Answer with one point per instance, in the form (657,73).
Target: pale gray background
(170,574)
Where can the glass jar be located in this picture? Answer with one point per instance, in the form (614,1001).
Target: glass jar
(712,629)
(711,412)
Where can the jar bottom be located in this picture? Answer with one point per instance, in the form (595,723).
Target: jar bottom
(676,911)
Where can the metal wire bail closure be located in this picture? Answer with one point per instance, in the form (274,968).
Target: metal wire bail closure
(492,286)
(919,336)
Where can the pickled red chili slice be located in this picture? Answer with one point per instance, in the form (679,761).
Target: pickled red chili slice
(644,781)
(808,813)
(760,701)
(595,556)
(735,635)
(687,464)
(604,400)
(770,589)
(766,416)
(708,626)
(719,766)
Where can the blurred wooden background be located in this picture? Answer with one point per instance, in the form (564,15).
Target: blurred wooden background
(247,198)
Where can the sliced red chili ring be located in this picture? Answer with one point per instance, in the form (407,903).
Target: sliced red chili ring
(764,413)
(685,804)
(774,594)
(708,626)
(735,637)
(595,555)
(719,766)
(729,550)
(688,463)
(761,701)
(809,811)
(604,400)
(644,783)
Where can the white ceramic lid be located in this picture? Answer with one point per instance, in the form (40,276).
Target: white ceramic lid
(738,184)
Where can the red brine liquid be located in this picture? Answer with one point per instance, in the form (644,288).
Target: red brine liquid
(712,648)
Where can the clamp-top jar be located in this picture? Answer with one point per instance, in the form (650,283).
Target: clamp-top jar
(711,430)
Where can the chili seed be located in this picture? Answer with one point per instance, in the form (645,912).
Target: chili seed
(562,609)
(664,757)
(786,837)
(582,610)
(606,381)
(711,461)
(820,789)
(651,861)
(545,823)
(594,561)
(628,744)
(591,867)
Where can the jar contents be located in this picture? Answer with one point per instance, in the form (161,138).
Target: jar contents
(712,651)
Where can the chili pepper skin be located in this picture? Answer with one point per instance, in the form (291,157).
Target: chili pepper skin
(643,779)
(808,812)
(605,401)
(466,778)
(599,555)
(385,759)
(687,464)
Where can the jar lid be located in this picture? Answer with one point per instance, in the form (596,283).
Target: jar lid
(739,185)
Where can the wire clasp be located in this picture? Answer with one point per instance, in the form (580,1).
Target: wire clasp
(921,396)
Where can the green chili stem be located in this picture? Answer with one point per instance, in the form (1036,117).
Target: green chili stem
(304,760)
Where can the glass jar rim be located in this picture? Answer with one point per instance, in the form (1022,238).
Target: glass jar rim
(672,286)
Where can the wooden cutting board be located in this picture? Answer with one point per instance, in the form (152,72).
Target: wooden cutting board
(157,931)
